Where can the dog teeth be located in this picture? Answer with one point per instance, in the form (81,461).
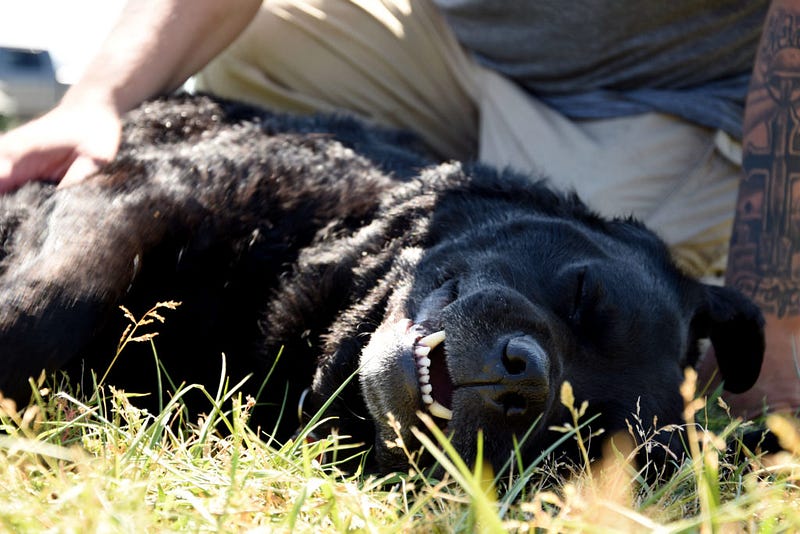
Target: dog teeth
(437,410)
(420,351)
(432,340)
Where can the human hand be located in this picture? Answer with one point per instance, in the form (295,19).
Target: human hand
(65,145)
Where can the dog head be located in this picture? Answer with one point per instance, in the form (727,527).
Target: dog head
(515,295)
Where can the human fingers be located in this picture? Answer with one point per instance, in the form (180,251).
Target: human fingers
(19,168)
(33,151)
(68,143)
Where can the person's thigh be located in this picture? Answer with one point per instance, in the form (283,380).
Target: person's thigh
(393,61)
(667,173)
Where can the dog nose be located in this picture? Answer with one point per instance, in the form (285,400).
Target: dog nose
(524,354)
(522,379)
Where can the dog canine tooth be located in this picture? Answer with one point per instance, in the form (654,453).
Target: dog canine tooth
(432,340)
(437,410)
(427,399)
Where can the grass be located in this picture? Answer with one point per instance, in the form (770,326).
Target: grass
(100,464)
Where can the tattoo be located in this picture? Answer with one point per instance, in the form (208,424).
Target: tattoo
(764,259)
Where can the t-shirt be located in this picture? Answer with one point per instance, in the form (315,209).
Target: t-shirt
(607,58)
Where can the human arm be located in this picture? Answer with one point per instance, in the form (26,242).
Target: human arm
(153,49)
(764,259)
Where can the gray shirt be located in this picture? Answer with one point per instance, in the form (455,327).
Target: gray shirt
(606,58)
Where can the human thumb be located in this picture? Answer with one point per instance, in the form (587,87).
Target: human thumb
(81,168)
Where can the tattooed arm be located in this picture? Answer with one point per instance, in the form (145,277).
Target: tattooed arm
(764,260)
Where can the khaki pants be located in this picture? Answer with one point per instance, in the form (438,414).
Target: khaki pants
(397,62)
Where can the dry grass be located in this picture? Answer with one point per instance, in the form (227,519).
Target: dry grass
(102,465)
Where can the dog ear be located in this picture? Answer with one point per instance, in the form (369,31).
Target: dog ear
(735,327)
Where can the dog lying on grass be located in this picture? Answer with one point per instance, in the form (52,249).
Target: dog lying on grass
(456,290)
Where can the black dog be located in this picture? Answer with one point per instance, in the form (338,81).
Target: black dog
(458,290)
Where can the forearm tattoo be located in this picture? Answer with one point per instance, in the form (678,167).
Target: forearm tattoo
(764,259)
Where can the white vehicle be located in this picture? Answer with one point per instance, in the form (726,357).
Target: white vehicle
(28,85)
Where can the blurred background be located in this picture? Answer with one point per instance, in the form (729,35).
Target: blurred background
(44,47)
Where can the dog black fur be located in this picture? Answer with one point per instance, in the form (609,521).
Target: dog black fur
(340,243)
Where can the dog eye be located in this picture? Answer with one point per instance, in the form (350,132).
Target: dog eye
(578,295)
(587,293)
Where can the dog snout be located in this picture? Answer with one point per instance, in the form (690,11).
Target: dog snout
(499,347)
